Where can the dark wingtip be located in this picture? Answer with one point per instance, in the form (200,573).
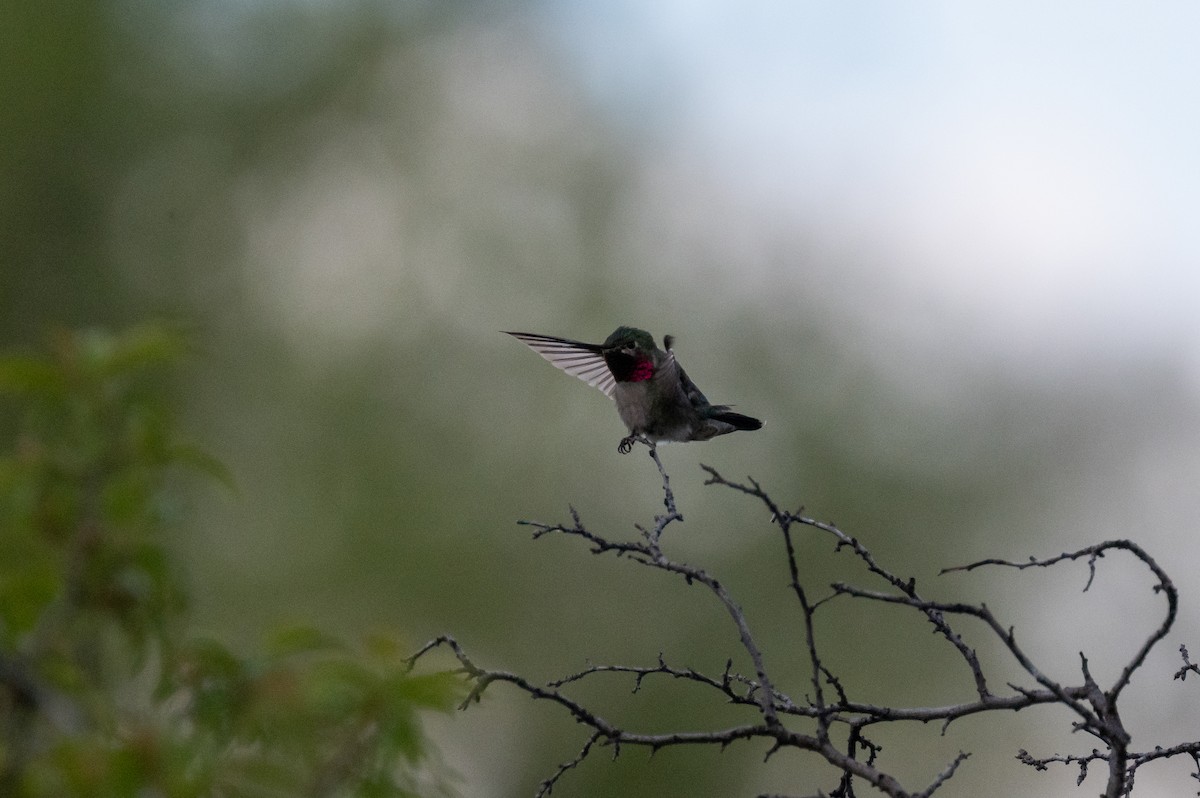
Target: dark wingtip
(739,421)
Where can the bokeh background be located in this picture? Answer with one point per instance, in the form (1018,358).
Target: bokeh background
(946,251)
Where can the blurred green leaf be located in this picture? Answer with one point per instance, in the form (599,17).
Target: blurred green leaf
(126,495)
(301,639)
(23,375)
(337,686)
(440,691)
(90,599)
(25,591)
(386,648)
(195,457)
(144,346)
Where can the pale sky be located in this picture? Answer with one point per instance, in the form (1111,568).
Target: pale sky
(1032,165)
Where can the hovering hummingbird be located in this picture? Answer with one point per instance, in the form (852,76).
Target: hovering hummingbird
(654,395)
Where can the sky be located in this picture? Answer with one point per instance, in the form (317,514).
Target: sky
(1032,166)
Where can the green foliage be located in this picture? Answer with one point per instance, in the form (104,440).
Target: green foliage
(102,691)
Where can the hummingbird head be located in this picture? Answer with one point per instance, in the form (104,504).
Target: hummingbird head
(630,340)
(629,353)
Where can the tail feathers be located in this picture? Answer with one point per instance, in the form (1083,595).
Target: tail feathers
(736,419)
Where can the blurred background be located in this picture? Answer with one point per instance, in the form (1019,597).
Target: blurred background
(946,252)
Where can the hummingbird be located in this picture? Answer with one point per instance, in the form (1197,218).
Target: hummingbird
(654,395)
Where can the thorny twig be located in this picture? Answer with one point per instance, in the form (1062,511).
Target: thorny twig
(1188,665)
(829,705)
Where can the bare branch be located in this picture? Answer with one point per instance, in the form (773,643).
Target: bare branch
(649,552)
(1094,553)
(785,519)
(547,786)
(831,705)
(944,776)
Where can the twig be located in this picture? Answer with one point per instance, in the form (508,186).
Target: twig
(830,703)
(1188,665)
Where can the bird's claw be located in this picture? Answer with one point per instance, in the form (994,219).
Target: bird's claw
(626,445)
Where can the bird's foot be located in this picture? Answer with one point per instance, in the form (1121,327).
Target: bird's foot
(626,444)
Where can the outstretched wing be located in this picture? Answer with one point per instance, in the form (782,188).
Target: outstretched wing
(578,359)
